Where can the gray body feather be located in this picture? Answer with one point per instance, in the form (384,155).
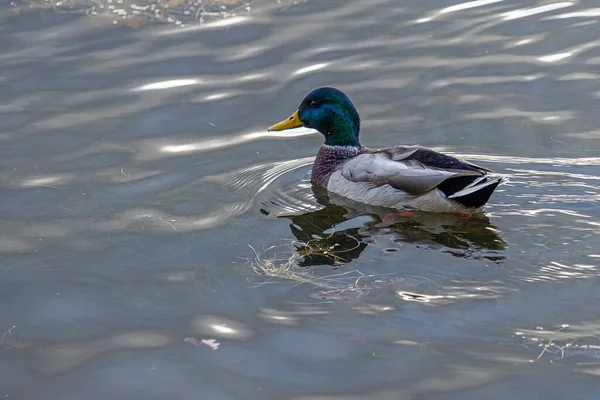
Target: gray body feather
(410,176)
(400,177)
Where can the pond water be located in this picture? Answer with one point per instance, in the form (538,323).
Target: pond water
(156,242)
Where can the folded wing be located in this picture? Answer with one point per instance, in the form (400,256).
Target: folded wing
(406,169)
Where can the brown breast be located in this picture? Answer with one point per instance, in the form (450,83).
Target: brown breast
(328,160)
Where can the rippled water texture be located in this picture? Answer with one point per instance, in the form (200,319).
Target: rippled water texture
(156,242)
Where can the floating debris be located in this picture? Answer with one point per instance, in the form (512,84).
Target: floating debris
(212,343)
(135,13)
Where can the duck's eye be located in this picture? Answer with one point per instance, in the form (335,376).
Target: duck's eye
(313,103)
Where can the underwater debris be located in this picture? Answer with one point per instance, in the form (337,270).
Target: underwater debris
(285,262)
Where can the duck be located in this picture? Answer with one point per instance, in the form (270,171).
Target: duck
(400,177)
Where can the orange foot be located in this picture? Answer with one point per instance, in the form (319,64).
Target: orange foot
(391,217)
(464,215)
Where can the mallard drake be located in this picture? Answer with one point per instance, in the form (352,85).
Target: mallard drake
(399,177)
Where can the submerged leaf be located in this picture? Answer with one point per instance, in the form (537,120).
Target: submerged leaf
(191,340)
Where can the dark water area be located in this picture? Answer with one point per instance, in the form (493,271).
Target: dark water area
(145,208)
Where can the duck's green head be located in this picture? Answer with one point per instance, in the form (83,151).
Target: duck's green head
(329,111)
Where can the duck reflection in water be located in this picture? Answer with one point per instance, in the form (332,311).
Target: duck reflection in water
(320,243)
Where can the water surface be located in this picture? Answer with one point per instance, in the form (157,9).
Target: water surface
(145,208)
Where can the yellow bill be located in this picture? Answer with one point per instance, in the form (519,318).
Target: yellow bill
(289,123)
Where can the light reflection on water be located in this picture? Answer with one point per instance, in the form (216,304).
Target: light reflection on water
(137,171)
